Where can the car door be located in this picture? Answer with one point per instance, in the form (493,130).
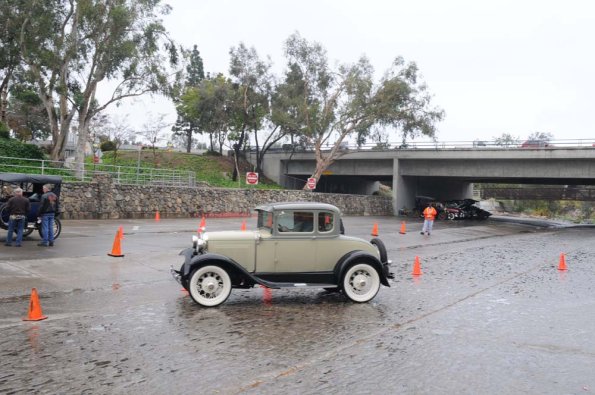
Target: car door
(295,242)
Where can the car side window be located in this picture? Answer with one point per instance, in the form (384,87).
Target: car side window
(325,221)
(295,221)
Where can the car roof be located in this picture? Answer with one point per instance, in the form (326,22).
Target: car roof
(297,206)
(33,178)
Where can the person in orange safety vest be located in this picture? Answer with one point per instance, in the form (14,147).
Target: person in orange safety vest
(429,215)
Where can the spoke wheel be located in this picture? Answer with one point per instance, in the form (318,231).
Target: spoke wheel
(210,286)
(361,282)
(57,229)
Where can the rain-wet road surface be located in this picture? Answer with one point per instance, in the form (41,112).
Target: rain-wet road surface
(490,314)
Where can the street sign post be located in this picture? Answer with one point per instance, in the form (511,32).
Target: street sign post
(311,183)
(251,178)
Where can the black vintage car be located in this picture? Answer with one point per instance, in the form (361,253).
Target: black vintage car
(32,186)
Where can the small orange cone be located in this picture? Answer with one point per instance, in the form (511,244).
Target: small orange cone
(243,225)
(562,265)
(35,313)
(375,229)
(402,228)
(121,233)
(157,216)
(116,248)
(416,267)
(203,225)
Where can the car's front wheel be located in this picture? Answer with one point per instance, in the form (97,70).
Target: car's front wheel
(209,285)
(361,282)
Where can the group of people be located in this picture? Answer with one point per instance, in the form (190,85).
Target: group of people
(18,208)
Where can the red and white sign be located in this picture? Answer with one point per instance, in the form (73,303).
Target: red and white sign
(251,178)
(311,183)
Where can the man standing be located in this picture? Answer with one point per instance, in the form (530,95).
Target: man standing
(429,215)
(47,210)
(17,206)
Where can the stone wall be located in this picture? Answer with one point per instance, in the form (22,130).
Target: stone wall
(103,199)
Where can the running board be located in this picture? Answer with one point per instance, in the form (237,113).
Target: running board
(270,284)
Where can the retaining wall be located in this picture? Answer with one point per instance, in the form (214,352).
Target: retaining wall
(103,199)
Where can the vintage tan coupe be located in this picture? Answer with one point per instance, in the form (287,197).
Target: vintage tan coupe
(298,244)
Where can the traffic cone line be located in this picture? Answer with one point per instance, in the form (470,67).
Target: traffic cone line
(375,229)
(402,231)
(116,247)
(416,267)
(562,265)
(157,216)
(35,313)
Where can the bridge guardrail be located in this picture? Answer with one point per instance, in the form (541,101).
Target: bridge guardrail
(437,145)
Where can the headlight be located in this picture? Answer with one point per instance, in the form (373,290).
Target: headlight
(198,244)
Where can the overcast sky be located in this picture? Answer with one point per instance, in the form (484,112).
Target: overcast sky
(495,67)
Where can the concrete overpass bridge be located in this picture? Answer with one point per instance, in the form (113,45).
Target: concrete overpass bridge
(443,173)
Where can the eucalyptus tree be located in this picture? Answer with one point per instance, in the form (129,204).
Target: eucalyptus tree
(210,106)
(345,101)
(186,126)
(71,46)
(10,57)
(253,79)
(26,115)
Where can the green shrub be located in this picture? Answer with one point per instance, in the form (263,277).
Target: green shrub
(4,131)
(108,146)
(16,149)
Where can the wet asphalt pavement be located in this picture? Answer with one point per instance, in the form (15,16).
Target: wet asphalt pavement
(490,314)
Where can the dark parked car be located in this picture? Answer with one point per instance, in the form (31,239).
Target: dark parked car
(32,186)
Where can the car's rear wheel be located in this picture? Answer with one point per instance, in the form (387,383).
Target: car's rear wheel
(57,229)
(4,222)
(361,282)
(209,286)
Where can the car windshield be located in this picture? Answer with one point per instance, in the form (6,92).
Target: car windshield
(265,220)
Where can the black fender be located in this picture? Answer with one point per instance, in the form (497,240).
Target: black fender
(236,271)
(360,256)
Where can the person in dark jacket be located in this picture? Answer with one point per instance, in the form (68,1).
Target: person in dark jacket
(47,210)
(18,207)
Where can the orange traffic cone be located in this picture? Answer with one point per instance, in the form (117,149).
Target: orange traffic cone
(416,267)
(562,265)
(375,229)
(121,233)
(157,216)
(35,313)
(243,225)
(402,228)
(203,225)
(116,248)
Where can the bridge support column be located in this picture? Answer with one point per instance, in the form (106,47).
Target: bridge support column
(404,190)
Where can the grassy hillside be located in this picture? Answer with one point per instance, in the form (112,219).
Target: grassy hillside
(215,170)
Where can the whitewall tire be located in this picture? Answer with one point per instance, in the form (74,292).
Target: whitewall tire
(209,286)
(361,282)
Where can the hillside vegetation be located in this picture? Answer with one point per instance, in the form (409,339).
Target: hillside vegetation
(214,170)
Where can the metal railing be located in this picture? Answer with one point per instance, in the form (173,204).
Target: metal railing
(437,145)
(69,171)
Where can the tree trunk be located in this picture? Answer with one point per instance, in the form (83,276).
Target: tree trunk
(189,141)
(4,96)
(80,148)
